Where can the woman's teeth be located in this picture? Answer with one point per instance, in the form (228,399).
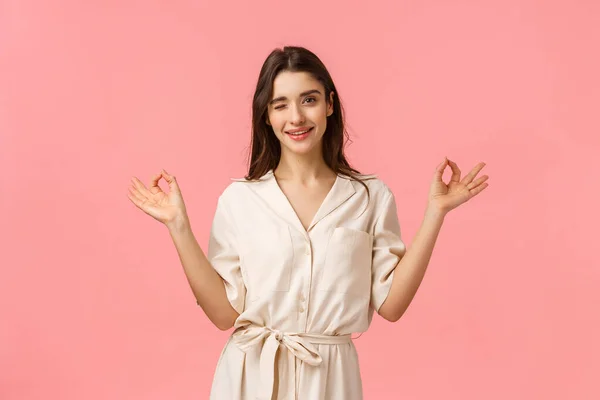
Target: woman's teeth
(300,133)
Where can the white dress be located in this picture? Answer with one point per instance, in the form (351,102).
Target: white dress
(300,293)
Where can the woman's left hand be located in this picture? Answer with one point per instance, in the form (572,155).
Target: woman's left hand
(445,197)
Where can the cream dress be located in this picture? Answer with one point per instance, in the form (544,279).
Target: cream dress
(300,293)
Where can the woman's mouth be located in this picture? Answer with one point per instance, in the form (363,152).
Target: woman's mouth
(300,135)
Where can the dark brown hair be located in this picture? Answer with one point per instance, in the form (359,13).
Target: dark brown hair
(265,149)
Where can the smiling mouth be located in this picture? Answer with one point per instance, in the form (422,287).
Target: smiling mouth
(300,133)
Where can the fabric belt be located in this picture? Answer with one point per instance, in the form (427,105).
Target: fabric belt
(300,345)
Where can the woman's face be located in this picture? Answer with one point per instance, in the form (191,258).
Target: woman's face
(298,104)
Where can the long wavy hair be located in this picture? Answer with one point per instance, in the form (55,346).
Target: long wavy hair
(265,148)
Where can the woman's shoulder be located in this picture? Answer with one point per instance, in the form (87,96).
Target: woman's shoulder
(375,184)
(236,188)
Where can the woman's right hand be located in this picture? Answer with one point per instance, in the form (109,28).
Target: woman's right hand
(168,208)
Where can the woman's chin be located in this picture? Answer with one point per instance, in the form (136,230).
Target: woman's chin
(300,149)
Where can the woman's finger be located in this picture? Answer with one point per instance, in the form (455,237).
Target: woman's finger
(140,187)
(471,175)
(439,170)
(133,199)
(478,189)
(477,182)
(171,180)
(455,172)
(144,205)
(136,197)
(154,188)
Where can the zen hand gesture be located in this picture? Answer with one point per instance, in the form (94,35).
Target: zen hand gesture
(445,197)
(161,206)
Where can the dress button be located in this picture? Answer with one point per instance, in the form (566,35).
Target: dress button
(301,309)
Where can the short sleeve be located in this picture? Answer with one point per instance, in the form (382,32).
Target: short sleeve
(224,256)
(388,249)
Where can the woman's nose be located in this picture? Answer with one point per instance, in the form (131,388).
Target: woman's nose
(297,115)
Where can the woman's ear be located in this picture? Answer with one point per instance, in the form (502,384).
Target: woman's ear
(330,105)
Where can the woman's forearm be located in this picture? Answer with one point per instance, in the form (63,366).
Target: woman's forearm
(410,271)
(206,284)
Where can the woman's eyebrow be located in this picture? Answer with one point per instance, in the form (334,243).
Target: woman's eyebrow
(281,98)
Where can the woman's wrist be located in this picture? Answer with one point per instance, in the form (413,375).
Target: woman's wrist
(434,211)
(179,224)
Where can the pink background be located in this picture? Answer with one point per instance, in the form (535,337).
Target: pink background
(93,301)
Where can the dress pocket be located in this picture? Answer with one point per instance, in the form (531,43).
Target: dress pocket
(347,267)
(267,260)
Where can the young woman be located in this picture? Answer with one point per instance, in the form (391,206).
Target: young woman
(303,249)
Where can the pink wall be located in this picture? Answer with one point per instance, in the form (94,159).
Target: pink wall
(93,301)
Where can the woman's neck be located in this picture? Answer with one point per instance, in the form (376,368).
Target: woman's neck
(302,169)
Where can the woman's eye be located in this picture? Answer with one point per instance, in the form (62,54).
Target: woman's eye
(308,98)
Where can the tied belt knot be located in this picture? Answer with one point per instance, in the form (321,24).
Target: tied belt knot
(299,345)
